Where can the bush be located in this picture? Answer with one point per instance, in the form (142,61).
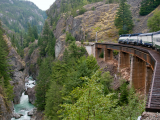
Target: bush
(115,52)
(82,11)
(101,55)
(93,8)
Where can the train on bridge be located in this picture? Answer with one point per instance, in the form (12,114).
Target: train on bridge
(143,39)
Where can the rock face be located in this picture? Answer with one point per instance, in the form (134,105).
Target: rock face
(60,46)
(37,115)
(5,109)
(17,75)
(84,27)
(31,67)
(150,116)
(31,94)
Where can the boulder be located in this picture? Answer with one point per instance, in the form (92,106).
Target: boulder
(16,116)
(31,95)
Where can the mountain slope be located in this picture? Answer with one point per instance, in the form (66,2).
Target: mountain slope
(15,14)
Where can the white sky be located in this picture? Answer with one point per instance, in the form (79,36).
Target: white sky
(43,4)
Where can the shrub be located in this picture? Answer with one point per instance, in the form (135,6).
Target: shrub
(82,11)
(101,55)
(93,8)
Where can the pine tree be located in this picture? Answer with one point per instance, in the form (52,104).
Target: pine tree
(148,6)
(43,83)
(4,68)
(153,22)
(123,20)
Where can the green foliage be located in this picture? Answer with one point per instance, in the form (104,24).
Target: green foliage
(78,90)
(47,42)
(112,1)
(107,80)
(66,76)
(148,6)
(54,94)
(124,94)
(123,20)
(91,102)
(16,15)
(115,52)
(69,7)
(154,22)
(101,55)
(132,110)
(32,47)
(43,83)
(69,38)
(82,11)
(4,69)
(93,8)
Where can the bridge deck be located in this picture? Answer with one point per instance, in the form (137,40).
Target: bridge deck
(153,100)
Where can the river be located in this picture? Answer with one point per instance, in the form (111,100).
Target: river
(24,107)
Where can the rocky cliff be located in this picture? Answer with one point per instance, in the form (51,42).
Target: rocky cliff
(17,74)
(5,109)
(84,27)
(17,80)
(31,67)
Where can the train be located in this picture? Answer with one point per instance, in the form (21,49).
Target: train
(151,40)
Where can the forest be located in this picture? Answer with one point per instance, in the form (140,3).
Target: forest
(6,90)
(16,14)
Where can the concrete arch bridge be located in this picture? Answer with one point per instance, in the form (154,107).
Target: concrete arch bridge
(144,66)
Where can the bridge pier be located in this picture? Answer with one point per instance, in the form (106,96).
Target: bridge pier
(138,72)
(108,54)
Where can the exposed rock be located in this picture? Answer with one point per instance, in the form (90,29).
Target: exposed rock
(150,116)
(32,112)
(31,94)
(85,26)
(17,75)
(26,79)
(37,115)
(60,46)
(32,67)
(5,109)
(16,116)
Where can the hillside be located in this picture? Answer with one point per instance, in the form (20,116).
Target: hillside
(15,14)
(98,17)
(140,22)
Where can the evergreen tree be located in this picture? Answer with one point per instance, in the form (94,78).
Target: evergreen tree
(148,6)
(4,69)
(43,83)
(54,94)
(123,20)
(154,22)
(90,104)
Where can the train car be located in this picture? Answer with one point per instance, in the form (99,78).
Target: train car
(146,39)
(156,40)
(133,39)
(123,38)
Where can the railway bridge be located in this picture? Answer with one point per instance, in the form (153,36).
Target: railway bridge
(144,65)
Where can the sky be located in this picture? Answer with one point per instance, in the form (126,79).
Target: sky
(43,4)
